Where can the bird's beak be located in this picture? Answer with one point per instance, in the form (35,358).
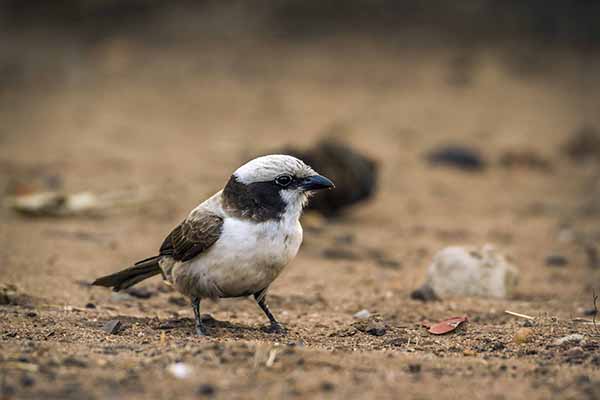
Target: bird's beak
(316,182)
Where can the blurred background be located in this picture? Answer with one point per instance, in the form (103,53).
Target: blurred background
(167,98)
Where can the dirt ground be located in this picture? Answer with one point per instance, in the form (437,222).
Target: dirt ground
(175,122)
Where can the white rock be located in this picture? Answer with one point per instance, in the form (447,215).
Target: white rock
(463,271)
(574,338)
(362,314)
(180,370)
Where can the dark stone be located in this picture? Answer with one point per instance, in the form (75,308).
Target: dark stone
(206,390)
(90,305)
(457,157)
(377,330)
(425,293)
(414,368)
(556,260)
(327,386)
(113,327)
(371,326)
(31,314)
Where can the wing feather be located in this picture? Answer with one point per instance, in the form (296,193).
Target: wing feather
(193,236)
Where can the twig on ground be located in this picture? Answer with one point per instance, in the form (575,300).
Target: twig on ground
(519,315)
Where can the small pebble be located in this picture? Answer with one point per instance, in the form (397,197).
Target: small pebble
(327,386)
(458,157)
(180,370)
(113,327)
(362,314)
(523,335)
(376,330)
(569,339)
(90,305)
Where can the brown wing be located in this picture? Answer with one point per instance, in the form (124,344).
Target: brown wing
(194,235)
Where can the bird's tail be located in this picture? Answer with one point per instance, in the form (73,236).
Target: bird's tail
(130,276)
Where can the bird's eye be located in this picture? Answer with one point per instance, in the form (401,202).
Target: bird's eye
(283,180)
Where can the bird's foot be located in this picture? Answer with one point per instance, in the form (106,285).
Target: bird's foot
(201,330)
(276,328)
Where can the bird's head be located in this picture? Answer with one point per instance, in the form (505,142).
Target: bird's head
(272,187)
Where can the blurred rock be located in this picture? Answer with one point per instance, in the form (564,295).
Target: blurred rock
(371,326)
(523,335)
(574,338)
(58,204)
(425,293)
(112,327)
(140,292)
(583,145)
(206,390)
(461,271)
(556,260)
(457,157)
(178,301)
(362,314)
(180,370)
(354,175)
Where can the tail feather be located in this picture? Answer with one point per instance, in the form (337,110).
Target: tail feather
(130,276)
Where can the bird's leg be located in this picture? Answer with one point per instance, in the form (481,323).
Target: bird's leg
(275,327)
(200,329)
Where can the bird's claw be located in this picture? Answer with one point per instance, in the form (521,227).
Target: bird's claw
(276,328)
(201,331)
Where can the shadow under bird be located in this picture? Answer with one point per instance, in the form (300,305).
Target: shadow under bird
(238,241)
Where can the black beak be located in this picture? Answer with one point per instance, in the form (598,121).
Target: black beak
(316,182)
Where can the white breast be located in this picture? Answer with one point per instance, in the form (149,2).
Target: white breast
(247,258)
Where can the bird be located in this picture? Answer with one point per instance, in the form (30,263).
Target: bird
(238,241)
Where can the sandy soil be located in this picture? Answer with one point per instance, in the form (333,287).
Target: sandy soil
(176,123)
